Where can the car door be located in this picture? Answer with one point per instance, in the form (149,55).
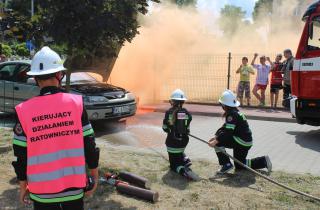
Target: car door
(23,89)
(6,80)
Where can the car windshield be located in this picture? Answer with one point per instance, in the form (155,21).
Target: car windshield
(81,78)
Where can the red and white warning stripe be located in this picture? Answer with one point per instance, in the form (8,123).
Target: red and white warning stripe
(309,64)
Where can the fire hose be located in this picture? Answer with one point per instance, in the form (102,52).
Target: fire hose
(131,184)
(257,173)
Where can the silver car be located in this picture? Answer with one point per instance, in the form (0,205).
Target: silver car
(102,101)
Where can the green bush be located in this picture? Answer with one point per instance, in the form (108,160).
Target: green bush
(60,49)
(21,49)
(6,50)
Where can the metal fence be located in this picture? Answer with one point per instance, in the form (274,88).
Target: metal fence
(205,77)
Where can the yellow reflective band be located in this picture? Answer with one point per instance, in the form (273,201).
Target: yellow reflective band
(179,169)
(19,143)
(175,150)
(248,163)
(230,126)
(56,200)
(241,142)
(243,116)
(88,132)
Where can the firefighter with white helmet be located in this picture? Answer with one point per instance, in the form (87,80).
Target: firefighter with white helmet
(177,126)
(53,141)
(235,134)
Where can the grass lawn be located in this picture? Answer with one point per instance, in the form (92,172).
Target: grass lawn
(235,191)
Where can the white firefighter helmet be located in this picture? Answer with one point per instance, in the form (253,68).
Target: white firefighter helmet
(229,99)
(46,61)
(178,95)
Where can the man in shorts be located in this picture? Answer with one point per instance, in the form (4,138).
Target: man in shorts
(244,85)
(262,79)
(276,80)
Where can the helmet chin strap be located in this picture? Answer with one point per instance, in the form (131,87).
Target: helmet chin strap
(60,78)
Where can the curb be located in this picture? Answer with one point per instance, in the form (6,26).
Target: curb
(215,114)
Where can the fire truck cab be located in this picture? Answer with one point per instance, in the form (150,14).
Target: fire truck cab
(305,76)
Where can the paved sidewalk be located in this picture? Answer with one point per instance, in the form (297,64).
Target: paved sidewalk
(266,114)
(291,147)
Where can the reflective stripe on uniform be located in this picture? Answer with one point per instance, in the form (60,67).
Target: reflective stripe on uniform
(179,168)
(175,150)
(20,140)
(87,130)
(243,116)
(60,197)
(248,163)
(230,126)
(55,156)
(19,143)
(241,142)
(41,177)
(219,149)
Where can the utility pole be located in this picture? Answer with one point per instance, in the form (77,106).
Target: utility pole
(32,8)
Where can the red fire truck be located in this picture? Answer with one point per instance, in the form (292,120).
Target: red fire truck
(305,77)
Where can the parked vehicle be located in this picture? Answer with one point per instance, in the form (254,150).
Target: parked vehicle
(102,101)
(305,77)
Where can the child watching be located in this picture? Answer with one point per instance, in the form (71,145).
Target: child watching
(244,85)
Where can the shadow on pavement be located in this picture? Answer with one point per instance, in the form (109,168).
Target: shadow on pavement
(9,199)
(175,180)
(238,180)
(100,200)
(309,140)
(102,128)
(7,120)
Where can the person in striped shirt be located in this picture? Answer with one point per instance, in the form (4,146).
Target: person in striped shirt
(262,79)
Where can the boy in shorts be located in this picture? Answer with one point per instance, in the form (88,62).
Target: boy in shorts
(276,80)
(244,85)
(262,79)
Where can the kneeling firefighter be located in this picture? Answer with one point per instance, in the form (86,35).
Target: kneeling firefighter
(177,126)
(235,134)
(53,141)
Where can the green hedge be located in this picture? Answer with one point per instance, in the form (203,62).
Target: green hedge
(6,50)
(21,50)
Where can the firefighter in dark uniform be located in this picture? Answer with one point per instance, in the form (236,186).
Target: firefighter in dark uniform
(177,126)
(235,134)
(49,77)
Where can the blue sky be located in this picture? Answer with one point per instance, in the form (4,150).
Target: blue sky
(215,5)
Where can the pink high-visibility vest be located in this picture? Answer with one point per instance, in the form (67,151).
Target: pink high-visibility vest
(55,148)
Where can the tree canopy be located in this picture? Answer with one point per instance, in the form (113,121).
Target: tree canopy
(184,2)
(262,8)
(231,18)
(90,29)
(90,32)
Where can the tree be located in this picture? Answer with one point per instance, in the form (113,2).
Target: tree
(262,8)
(184,2)
(18,19)
(92,32)
(231,18)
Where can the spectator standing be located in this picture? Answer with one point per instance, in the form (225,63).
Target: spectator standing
(286,69)
(276,80)
(244,85)
(262,79)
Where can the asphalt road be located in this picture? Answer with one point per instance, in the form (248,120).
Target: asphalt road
(291,147)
